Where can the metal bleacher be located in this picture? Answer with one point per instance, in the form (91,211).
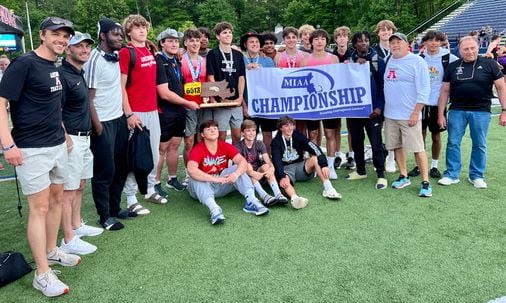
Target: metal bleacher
(480,13)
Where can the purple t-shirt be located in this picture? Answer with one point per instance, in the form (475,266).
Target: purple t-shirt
(252,154)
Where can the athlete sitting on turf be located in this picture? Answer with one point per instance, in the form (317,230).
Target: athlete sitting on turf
(260,167)
(210,175)
(288,149)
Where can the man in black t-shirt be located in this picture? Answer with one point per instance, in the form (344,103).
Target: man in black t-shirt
(37,146)
(77,122)
(468,82)
(171,106)
(225,63)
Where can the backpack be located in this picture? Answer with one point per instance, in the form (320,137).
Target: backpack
(131,64)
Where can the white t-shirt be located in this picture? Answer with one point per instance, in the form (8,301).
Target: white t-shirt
(407,83)
(104,77)
(436,72)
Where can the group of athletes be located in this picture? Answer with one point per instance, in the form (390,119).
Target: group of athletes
(108,108)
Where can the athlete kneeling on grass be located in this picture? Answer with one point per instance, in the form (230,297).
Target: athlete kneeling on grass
(210,175)
(260,168)
(288,149)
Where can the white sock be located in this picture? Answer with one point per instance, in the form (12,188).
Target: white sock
(172,177)
(331,160)
(351,154)
(327,185)
(275,188)
(294,197)
(339,154)
(434,163)
(250,196)
(260,190)
(391,155)
(131,200)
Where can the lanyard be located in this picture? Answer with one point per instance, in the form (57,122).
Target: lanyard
(291,61)
(385,52)
(174,65)
(228,63)
(195,71)
(291,143)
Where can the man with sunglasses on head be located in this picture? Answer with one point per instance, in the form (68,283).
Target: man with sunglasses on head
(109,138)
(467,83)
(37,147)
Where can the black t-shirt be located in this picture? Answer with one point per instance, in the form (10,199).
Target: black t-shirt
(75,102)
(346,56)
(217,67)
(32,85)
(168,70)
(471,83)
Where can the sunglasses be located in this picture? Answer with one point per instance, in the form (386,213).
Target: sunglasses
(58,21)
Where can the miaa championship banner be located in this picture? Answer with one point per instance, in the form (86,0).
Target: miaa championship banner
(310,93)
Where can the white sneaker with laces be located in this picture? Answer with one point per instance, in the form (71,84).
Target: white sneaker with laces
(446,181)
(77,246)
(57,256)
(49,284)
(331,194)
(87,230)
(478,183)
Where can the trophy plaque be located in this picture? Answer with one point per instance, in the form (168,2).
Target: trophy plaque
(217,89)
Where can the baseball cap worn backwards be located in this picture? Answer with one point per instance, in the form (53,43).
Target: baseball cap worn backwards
(56,23)
(80,37)
(169,33)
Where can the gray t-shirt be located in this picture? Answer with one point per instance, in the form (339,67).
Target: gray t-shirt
(104,76)
(253,154)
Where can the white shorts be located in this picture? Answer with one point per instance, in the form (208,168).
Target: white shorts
(42,167)
(80,163)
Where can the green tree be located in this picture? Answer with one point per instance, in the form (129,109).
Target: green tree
(214,11)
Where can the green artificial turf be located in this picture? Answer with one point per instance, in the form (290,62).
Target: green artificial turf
(372,246)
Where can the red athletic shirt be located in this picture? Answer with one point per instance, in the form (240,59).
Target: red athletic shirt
(188,78)
(209,163)
(142,89)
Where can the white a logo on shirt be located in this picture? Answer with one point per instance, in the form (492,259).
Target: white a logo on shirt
(57,86)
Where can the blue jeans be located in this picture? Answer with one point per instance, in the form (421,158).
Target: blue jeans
(478,126)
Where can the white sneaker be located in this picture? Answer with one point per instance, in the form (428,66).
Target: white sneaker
(333,174)
(87,230)
(390,166)
(478,183)
(331,194)
(49,284)
(77,246)
(447,181)
(57,256)
(299,202)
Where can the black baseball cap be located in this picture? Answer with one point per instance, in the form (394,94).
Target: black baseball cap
(56,23)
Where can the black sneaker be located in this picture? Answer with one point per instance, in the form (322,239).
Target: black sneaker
(415,172)
(435,173)
(350,163)
(282,200)
(126,214)
(112,224)
(159,189)
(174,184)
(337,162)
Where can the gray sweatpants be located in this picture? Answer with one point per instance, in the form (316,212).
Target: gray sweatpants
(151,121)
(205,192)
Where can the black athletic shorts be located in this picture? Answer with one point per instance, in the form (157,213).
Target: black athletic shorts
(171,125)
(266,125)
(429,119)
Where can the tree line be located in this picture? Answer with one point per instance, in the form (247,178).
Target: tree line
(259,15)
